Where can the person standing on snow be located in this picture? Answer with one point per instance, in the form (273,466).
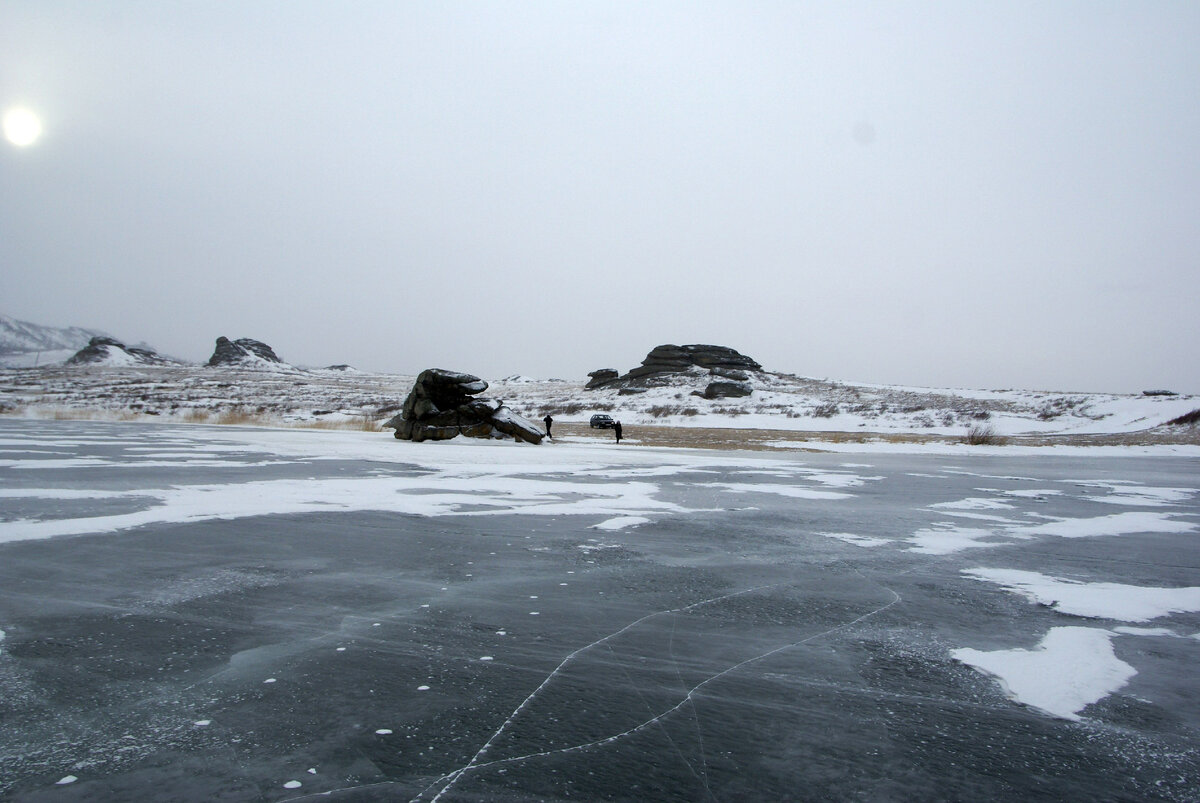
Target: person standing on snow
(617,430)
(548,421)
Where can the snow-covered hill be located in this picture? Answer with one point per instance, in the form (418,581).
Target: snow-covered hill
(777,401)
(23,343)
(788,402)
(676,386)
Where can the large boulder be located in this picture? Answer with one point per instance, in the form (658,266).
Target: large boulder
(727,390)
(444,404)
(602,377)
(242,352)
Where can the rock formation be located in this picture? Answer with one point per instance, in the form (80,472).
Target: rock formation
(663,362)
(443,405)
(725,390)
(242,352)
(601,377)
(675,359)
(103,350)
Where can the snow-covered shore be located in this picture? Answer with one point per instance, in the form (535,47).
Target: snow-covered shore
(779,402)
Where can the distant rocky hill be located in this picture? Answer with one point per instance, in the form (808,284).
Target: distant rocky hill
(103,350)
(245,352)
(727,370)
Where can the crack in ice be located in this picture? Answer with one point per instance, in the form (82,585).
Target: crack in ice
(474,763)
(450,779)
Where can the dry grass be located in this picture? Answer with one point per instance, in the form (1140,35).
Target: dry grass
(363,423)
(772,440)
(984,435)
(239,417)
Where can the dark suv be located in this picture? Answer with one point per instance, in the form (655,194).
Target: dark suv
(602,421)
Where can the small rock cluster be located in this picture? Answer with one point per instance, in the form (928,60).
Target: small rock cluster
(444,404)
(730,369)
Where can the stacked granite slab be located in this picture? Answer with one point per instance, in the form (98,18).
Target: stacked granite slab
(729,369)
(444,404)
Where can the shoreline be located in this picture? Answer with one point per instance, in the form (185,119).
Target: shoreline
(1178,441)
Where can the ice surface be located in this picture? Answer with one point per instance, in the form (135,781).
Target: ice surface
(1071,668)
(445,603)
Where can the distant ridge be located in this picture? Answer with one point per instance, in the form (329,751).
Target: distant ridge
(23,337)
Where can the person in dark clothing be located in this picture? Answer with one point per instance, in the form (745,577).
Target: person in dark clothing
(548,421)
(617,430)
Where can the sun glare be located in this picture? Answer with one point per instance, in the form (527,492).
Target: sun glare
(21,127)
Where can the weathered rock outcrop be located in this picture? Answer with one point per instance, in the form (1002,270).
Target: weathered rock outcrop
(601,377)
(241,352)
(664,361)
(675,359)
(729,373)
(725,390)
(103,350)
(444,404)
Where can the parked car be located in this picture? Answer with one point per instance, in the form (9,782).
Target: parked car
(602,421)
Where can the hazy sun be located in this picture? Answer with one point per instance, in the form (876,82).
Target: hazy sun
(21,127)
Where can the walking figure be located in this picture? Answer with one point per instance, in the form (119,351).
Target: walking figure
(617,430)
(548,421)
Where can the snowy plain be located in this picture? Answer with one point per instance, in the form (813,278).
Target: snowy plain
(486,618)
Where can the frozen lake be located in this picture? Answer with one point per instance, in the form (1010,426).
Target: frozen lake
(201,613)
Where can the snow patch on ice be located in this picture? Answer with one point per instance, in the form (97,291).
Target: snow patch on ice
(790,491)
(1126,630)
(1031,493)
(1115,524)
(1121,493)
(1127,603)
(974,503)
(444,493)
(620,523)
(1071,668)
(944,538)
(857,540)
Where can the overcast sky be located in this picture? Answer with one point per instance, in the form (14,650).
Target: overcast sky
(993,194)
